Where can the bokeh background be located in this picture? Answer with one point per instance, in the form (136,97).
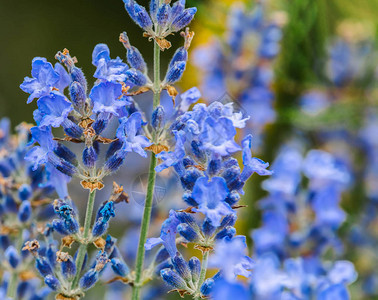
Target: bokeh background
(42,27)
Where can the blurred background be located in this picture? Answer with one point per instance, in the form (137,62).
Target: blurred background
(310,30)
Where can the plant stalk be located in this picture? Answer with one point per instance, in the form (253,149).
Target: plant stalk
(201,280)
(150,188)
(83,247)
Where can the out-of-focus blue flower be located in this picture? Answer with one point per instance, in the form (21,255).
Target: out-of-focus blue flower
(230,257)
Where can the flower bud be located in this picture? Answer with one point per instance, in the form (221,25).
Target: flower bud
(181,266)
(227,232)
(60,227)
(89,157)
(229,220)
(12,256)
(161,256)
(78,95)
(190,178)
(25,192)
(173,279)
(195,268)
(183,19)
(65,153)
(68,266)
(136,77)
(158,117)
(141,17)
(61,165)
(187,232)
(89,279)
(72,129)
(154,6)
(52,282)
(119,267)
(78,75)
(207,287)
(115,161)
(181,54)
(232,198)
(175,72)
(163,15)
(24,211)
(207,227)
(177,9)
(10,204)
(43,266)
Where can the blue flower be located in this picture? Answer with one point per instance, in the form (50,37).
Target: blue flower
(106,96)
(43,80)
(210,196)
(334,292)
(167,235)
(52,110)
(267,278)
(127,133)
(39,154)
(321,166)
(218,136)
(171,158)
(188,98)
(224,290)
(271,236)
(64,77)
(252,164)
(230,257)
(108,69)
(102,221)
(343,271)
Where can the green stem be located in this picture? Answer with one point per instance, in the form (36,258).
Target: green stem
(11,292)
(201,280)
(150,188)
(83,247)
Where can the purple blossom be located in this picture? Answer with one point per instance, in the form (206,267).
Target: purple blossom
(252,164)
(210,195)
(230,257)
(128,133)
(218,136)
(44,78)
(167,235)
(106,98)
(108,69)
(52,110)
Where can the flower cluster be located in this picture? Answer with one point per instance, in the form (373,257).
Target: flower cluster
(212,181)
(300,226)
(233,66)
(24,194)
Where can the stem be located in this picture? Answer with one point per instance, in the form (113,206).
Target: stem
(83,247)
(201,280)
(205,260)
(11,293)
(150,188)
